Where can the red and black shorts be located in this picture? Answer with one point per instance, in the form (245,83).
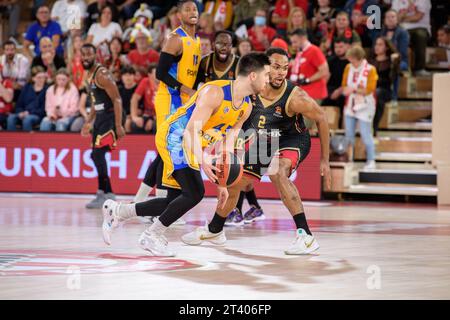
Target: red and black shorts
(104,131)
(257,157)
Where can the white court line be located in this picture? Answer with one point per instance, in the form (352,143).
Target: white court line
(127,197)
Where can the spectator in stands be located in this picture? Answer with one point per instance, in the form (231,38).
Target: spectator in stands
(296,20)
(279,42)
(281,13)
(84,107)
(141,23)
(397,35)
(69,14)
(14,66)
(126,89)
(105,29)
(414,16)
(337,63)
(48,59)
(12,7)
(358,23)
(144,120)
(160,8)
(244,47)
(74,62)
(161,29)
(245,12)
(221,11)
(359,11)
(260,34)
(206,26)
(386,60)
(6,99)
(94,10)
(323,19)
(116,59)
(141,57)
(61,103)
(342,29)
(30,107)
(443,37)
(43,27)
(309,69)
(126,8)
(358,86)
(205,45)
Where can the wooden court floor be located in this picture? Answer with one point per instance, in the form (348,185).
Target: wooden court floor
(51,248)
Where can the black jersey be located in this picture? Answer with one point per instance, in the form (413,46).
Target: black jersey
(100,99)
(210,74)
(276,133)
(272,119)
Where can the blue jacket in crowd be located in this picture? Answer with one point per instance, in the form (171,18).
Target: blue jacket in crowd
(31,102)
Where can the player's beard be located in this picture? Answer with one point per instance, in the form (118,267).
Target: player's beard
(275,86)
(88,66)
(220,59)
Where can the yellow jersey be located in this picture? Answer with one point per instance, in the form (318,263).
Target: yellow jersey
(169,137)
(167,99)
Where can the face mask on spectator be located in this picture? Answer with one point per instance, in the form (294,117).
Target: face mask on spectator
(260,21)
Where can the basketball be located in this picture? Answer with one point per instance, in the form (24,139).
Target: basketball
(230,167)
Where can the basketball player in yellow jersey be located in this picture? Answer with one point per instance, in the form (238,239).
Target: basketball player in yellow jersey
(177,71)
(206,118)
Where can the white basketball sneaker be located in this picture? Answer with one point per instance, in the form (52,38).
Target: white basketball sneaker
(201,234)
(303,244)
(110,219)
(179,222)
(156,244)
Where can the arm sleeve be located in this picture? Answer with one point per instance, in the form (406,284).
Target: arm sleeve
(162,71)
(372,81)
(345,75)
(40,105)
(20,105)
(140,90)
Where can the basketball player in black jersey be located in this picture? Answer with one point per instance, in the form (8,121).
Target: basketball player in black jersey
(221,63)
(105,120)
(277,113)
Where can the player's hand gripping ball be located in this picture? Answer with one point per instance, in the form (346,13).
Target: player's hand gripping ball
(230,167)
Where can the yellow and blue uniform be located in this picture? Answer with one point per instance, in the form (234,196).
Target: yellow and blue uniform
(169,137)
(167,99)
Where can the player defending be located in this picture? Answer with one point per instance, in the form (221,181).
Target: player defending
(204,120)
(277,111)
(108,125)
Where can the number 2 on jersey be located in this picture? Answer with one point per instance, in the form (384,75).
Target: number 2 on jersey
(262,122)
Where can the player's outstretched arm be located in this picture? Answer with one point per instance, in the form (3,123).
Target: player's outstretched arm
(105,79)
(303,104)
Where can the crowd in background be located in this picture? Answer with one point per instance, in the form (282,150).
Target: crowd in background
(42,80)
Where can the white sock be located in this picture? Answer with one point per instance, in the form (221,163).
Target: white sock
(142,193)
(157,227)
(127,211)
